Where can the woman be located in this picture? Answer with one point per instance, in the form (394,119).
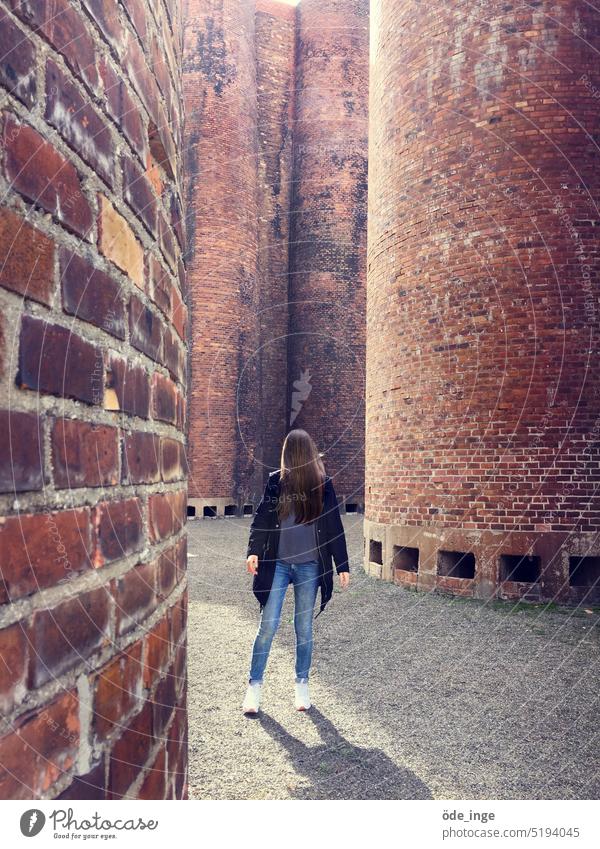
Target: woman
(294,535)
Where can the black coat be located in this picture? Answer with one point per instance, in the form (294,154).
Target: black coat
(264,540)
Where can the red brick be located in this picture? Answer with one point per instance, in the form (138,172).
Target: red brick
(90,294)
(167,514)
(138,193)
(42,175)
(141,458)
(107,15)
(27,264)
(40,750)
(80,125)
(160,286)
(154,783)
(157,650)
(84,454)
(173,354)
(119,529)
(14,654)
(179,315)
(56,361)
(21,453)
(145,328)
(130,752)
(164,399)
(167,574)
(128,388)
(17,61)
(178,615)
(117,690)
(137,14)
(135,596)
(172,459)
(63,27)
(66,635)
(164,702)
(42,549)
(123,109)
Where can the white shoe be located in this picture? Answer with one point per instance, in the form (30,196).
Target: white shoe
(302,699)
(252,700)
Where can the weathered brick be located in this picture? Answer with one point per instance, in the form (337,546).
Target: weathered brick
(107,15)
(155,779)
(21,453)
(130,752)
(84,454)
(173,354)
(17,61)
(164,702)
(64,636)
(56,361)
(128,388)
(137,14)
(88,786)
(167,572)
(40,749)
(91,294)
(78,123)
(117,690)
(14,651)
(27,264)
(63,27)
(123,109)
(167,514)
(157,649)
(42,175)
(135,595)
(159,286)
(118,243)
(145,328)
(178,614)
(172,459)
(119,529)
(141,458)
(43,549)
(164,398)
(138,193)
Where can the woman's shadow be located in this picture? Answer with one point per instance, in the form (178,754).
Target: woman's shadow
(339,770)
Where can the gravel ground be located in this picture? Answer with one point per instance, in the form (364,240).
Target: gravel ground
(415,695)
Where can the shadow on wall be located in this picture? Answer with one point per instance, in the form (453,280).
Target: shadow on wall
(339,770)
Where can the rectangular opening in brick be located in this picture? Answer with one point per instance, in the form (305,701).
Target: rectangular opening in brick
(351,508)
(405,558)
(210,512)
(456,564)
(524,568)
(584,571)
(248,509)
(191,511)
(230,509)
(375,552)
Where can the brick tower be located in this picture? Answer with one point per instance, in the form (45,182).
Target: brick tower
(483,405)
(222,210)
(328,236)
(93,330)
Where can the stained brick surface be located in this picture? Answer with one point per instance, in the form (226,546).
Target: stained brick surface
(93,332)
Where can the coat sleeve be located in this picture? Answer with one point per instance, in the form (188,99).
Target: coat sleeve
(259,529)
(337,537)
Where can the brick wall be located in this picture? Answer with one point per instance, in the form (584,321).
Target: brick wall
(93,324)
(222,191)
(276,132)
(328,236)
(275,71)
(482,409)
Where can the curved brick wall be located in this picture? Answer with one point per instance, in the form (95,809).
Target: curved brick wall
(222,211)
(92,380)
(482,405)
(328,235)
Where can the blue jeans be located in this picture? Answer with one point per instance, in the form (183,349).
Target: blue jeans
(305,578)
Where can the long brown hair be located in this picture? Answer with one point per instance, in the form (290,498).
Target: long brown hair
(302,476)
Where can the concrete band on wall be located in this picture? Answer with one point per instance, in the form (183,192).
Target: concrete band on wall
(483,405)
(93,328)
(276,145)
